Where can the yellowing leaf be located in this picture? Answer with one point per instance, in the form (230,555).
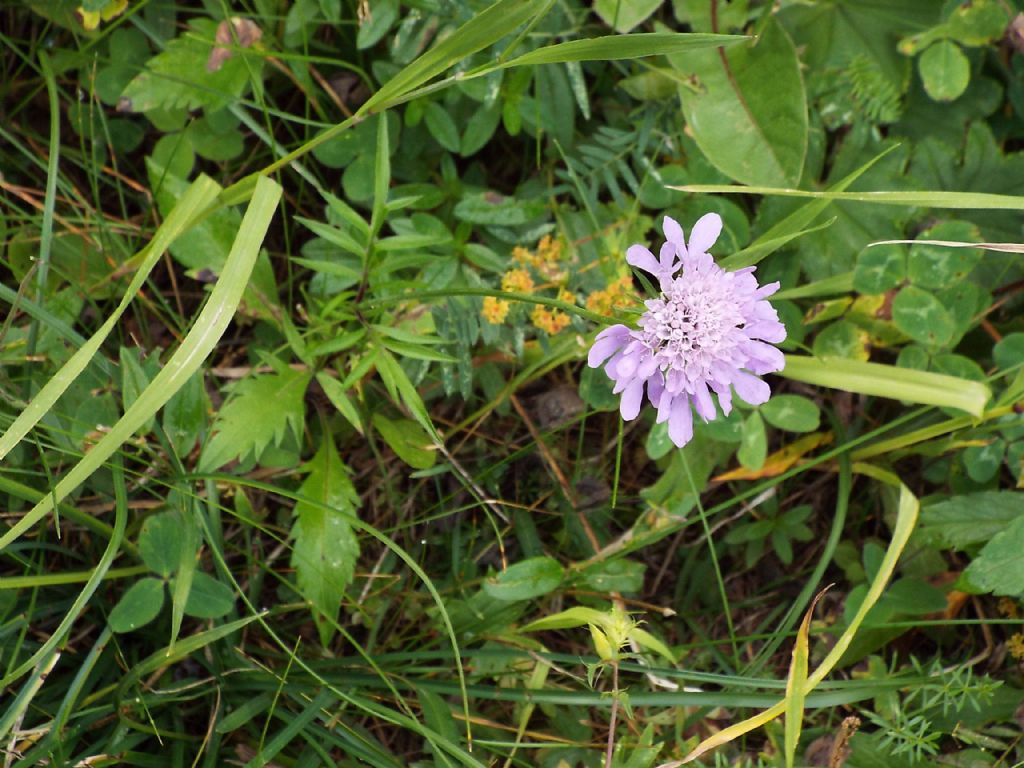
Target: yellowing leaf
(781,460)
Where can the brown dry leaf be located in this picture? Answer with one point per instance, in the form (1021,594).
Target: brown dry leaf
(781,460)
(237,31)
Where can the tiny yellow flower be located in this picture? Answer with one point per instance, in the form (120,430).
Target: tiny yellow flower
(549,249)
(551,321)
(522,255)
(564,294)
(495,310)
(1015,645)
(1008,607)
(517,281)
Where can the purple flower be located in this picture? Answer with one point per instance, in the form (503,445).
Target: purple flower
(709,331)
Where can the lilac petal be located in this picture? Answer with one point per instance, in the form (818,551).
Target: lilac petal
(640,257)
(702,401)
(704,233)
(665,406)
(725,400)
(667,258)
(647,368)
(673,232)
(767,330)
(766,290)
(680,423)
(627,365)
(771,359)
(608,341)
(750,388)
(632,398)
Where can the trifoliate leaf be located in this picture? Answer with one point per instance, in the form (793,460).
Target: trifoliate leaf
(261,408)
(326,548)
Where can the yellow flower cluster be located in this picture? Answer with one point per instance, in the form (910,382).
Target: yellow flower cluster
(495,310)
(617,294)
(517,281)
(91,19)
(546,259)
(550,320)
(1015,645)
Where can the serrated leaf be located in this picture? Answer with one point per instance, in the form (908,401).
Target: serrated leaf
(965,521)
(178,77)
(526,579)
(999,567)
(138,606)
(326,548)
(261,408)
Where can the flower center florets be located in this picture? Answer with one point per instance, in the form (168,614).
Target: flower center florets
(692,317)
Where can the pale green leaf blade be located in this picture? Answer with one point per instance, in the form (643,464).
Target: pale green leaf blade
(618,47)
(889,381)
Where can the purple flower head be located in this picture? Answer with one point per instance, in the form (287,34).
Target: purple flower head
(709,331)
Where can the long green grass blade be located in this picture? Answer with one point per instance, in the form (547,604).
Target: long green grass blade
(924,199)
(196,199)
(889,381)
(200,341)
(616,47)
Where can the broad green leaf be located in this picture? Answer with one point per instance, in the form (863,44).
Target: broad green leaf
(793,413)
(1009,350)
(964,521)
(494,209)
(526,579)
(922,317)
(624,15)
(880,268)
(381,16)
(889,381)
(577,616)
(999,567)
(208,598)
(621,575)
(753,448)
(261,408)
(138,606)
(479,129)
(945,71)
(983,461)
(178,77)
(843,338)
(747,107)
(441,126)
(936,266)
(326,548)
(407,439)
(160,542)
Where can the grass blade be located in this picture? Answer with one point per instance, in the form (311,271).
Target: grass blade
(617,47)
(923,199)
(795,693)
(193,203)
(889,381)
(200,341)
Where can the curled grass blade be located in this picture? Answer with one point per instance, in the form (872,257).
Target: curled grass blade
(795,693)
(906,518)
